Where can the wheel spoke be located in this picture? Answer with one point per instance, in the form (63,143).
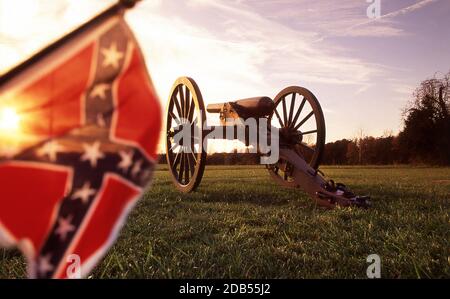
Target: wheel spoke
(278,116)
(294,121)
(191,110)
(309,132)
(194,159)
(191,164)
(177,104)
(186,168)
(284,111)
(189,148)
(181,93)
(176,161)
(291,110)
(174,117)
(304,120)
(187,100)
(180,174)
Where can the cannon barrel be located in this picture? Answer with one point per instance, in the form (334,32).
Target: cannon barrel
(214,108)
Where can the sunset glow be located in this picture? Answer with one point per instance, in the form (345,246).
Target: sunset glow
(9,120)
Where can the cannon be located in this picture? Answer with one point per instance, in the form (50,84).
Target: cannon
(293,122)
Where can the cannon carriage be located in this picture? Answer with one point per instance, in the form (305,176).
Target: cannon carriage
(294,116)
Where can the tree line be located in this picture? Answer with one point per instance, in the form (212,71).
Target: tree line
(425,137)
(366,150)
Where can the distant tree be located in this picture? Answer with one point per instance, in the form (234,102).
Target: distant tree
(367,150)
(341,151)
(359,137)
(384,150)
(336,152)
(352,154)
(426,133)
(398,154)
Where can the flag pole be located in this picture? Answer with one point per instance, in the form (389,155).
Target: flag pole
(115,9)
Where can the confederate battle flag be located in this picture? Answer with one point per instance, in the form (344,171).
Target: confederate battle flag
(79,130)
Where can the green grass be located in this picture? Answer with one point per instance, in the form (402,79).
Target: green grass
(240,224)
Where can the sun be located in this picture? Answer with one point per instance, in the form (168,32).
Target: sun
(9,120)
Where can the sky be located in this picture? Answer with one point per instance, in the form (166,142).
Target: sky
(363,70)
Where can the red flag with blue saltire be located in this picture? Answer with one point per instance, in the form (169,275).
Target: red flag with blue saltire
(79,129)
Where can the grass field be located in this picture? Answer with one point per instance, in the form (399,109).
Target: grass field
(239,224)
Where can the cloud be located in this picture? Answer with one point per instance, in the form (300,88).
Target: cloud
(408,9)
(403,89)
(330,18)
(237,52)
(230,46)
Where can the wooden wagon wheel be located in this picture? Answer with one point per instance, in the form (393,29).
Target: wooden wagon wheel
(299,117)
(185,152)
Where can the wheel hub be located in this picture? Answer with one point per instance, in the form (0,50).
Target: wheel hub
(290,136)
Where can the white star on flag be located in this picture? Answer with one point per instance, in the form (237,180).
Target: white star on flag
(44,264)
(111,56)
(84,193)
(50,149)
(99,90)
(101,120)
(126,160)
(64,227)
(92,153)
(136,168)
